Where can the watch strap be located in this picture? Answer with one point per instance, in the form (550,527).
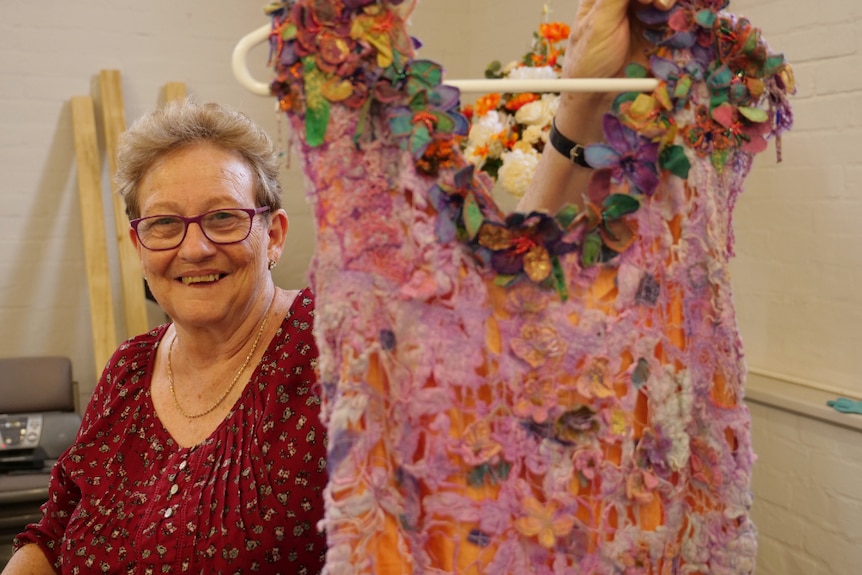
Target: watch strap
(571,150)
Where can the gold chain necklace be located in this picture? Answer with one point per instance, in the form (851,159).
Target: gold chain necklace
(235,378)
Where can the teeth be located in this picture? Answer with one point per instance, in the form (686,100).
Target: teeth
(199,279)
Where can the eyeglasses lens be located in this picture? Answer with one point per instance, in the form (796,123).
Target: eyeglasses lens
(222,227)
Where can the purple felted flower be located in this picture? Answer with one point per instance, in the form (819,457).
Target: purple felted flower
(627,155)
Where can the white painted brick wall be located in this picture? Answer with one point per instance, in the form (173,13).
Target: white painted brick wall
(796,276)
(808,494)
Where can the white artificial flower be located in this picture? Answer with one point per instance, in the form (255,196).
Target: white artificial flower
(538,113)
(484,129)
(533,73)
(531,114)
(517,170)
(532,135)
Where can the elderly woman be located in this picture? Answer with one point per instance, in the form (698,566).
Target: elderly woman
(201,450)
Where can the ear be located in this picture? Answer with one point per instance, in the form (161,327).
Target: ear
(134,237)
(277,234)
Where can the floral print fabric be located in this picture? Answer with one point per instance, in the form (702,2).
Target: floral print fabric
(126,499)
(529,393)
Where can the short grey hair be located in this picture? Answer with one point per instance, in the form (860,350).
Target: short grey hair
(186,122)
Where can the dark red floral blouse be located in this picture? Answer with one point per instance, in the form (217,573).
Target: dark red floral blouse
(125,498)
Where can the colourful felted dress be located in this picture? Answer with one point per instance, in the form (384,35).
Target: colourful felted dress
(528,393)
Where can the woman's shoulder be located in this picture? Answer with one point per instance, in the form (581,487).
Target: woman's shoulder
(139,347)
(303,302)
(130,362)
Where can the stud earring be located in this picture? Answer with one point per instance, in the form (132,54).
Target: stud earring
(272,264)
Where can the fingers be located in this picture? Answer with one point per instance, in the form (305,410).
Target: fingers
(660,4)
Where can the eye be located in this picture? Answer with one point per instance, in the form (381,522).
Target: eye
(160,221)
(225,215)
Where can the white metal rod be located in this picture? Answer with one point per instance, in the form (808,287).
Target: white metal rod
(239,64)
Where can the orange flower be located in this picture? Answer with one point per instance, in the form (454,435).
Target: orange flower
(440,153)
(507,139)
(544,522)
(481,151)
(554,31)
(487,103)
(520,100)
(478,445)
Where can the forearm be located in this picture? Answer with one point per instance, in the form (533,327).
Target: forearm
(558,181)
(28,560)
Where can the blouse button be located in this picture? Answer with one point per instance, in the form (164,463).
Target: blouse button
(174,489)
(182,464)
(168,512)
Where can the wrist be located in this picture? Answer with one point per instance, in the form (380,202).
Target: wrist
(579,116)
(574,151)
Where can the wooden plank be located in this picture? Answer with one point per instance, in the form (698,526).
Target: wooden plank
(114,121)
(175,91)
(93,224)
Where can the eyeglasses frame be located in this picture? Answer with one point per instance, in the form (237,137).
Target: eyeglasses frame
(198,219)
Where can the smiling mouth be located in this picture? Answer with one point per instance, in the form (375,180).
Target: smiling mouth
(189,280)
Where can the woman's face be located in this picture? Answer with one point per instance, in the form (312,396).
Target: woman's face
(200,283)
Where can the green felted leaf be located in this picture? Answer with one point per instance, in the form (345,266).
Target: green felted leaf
(617,205)
(753,114)
(683,86)
(705,18)
(738,92)
(317,106)
(473,218)
(592,249)
(476,477)
(419,140)
(424,74)
(419,102)
(773,63)
(401,125)
(721,77)
(399,63)
(622,99)
(640,375)
(718,99)
(501,471)
(445,124)
(635,70)
(674,160)
(559,278)
(566,215)
(288,32)
(750,43)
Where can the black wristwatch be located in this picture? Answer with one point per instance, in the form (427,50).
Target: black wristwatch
(571,150)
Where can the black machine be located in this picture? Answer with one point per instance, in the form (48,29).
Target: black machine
(38,421)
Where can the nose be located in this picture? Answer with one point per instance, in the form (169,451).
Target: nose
(196,245)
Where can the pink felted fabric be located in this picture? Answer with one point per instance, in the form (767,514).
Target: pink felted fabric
(528,393)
